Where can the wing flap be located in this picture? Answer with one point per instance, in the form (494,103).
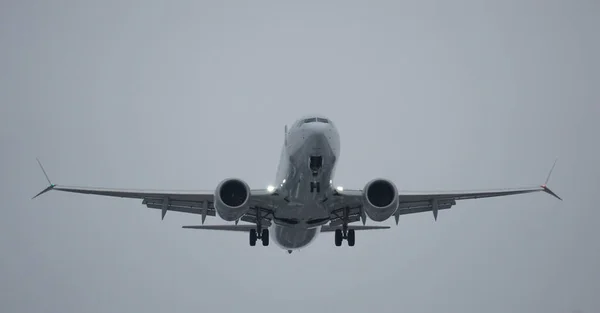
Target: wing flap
(420,209)
(184,206)
(181,209)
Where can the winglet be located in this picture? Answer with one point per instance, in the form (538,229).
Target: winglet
(44,191)
(51,185)
(548,191)
(545,187)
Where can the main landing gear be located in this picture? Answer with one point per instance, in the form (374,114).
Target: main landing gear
(259,232)
(345,233)
(263,236)
(341,234)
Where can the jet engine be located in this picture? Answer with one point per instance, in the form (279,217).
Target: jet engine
(231,199)
(380,199)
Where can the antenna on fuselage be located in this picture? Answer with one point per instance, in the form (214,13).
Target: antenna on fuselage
(285,135)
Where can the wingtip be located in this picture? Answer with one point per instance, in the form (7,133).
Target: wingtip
(44,191)
(50,184)
(44,171)
(545,187)
(550,172)
(550,192)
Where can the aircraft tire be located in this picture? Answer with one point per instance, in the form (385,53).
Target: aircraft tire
(338,237)
(351,237)
(253,237)
(265,237)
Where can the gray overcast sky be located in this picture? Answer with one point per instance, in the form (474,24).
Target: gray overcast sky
(181,94)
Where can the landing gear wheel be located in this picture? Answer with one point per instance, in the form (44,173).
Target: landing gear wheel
(253,237)
(315,186)
(338,237)
(265,237)
(351,237)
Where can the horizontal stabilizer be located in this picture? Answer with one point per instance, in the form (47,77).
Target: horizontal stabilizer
(245,228)
(327,228)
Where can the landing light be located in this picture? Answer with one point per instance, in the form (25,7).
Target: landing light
(339,188)
(270,188)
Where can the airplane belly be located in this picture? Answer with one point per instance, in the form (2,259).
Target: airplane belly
(293,238)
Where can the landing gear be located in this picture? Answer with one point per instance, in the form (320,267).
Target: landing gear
(264,237)
(338,237)
(315,186)
(253,237)
(351,238)
(348,234)
(259,232)
(315,163)
(345,233)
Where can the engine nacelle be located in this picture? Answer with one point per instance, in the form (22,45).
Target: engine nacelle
(231,199)
(380,199)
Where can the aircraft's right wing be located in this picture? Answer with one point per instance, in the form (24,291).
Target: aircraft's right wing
(194,202)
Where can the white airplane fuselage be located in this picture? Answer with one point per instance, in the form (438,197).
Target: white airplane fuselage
(308,160)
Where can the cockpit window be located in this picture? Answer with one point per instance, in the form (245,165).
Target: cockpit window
(315,119)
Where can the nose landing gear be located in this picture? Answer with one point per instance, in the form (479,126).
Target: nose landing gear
(315,186)
(315,163)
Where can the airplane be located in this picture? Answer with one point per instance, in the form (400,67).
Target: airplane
(303,201)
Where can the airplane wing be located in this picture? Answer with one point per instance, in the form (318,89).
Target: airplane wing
(421,202)
(194,202)
(350,206)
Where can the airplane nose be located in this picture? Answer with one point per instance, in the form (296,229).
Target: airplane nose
(316,136)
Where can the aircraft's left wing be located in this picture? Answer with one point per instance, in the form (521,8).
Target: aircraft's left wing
(424,202)
(350,208)
(420,202)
